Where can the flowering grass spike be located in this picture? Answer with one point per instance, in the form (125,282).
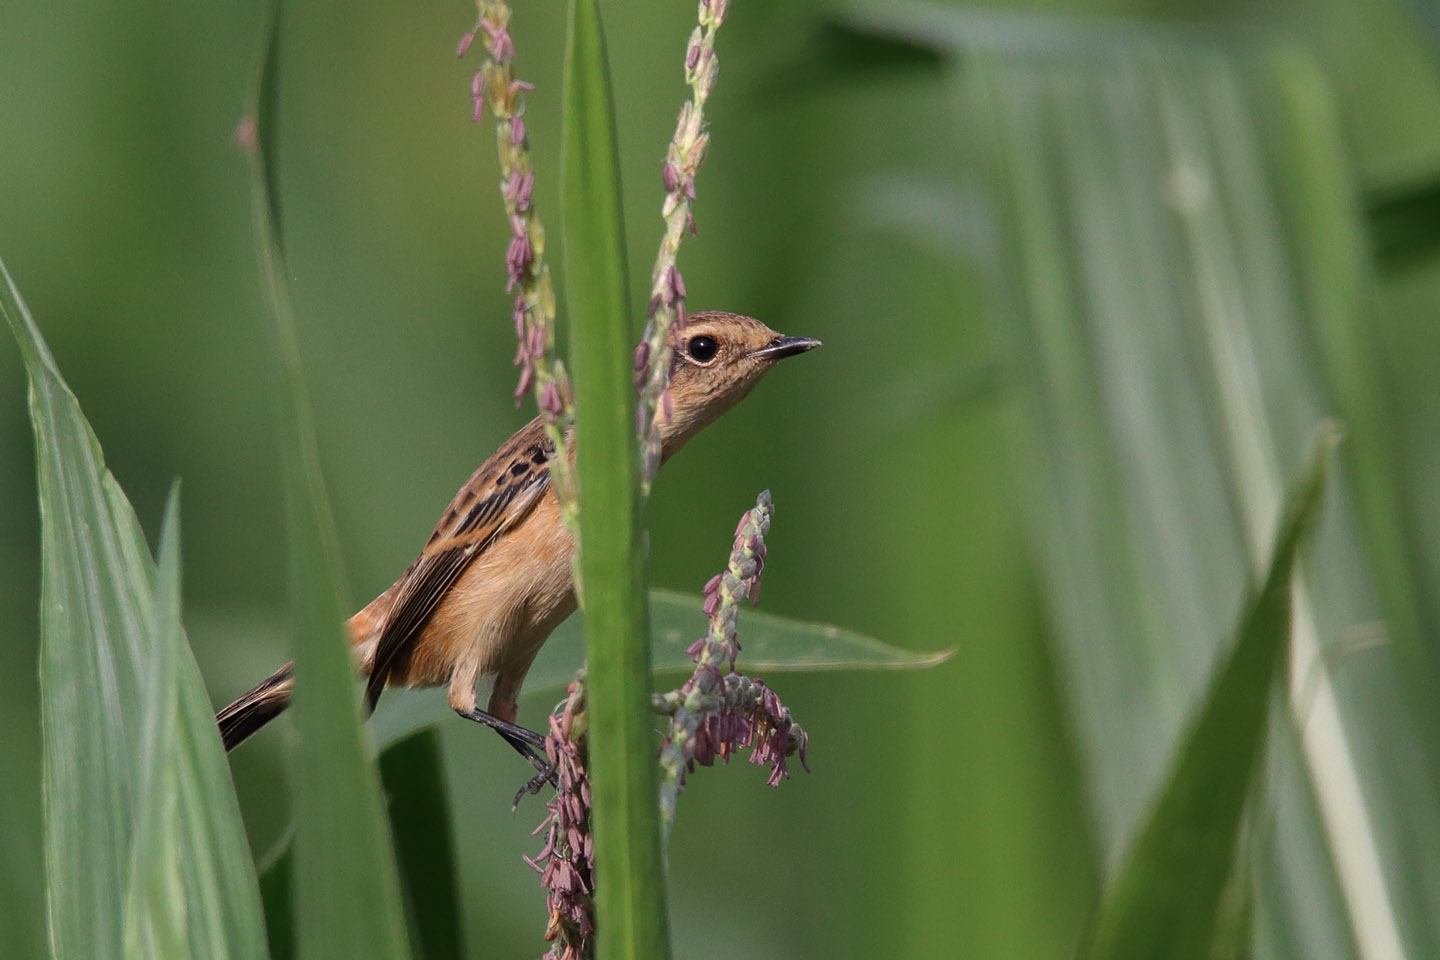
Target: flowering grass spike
(718,711)
(527,274)
(566,863)
(712,715)
(667,287)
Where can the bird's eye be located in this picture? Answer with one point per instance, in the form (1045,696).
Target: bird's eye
(702,349)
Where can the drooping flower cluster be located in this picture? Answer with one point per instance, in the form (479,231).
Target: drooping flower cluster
(527,273)
(667,288)
(715,713)
(718,711)
(566,863)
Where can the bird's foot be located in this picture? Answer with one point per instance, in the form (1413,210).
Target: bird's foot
(535,784)
(527,743)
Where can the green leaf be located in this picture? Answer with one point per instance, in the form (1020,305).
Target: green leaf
(631,917)
(344,854)
(278,896)
(419,812)
(155,917)
(1183,295)
(1233,937)
(112,749)
(771,644)
(1167,898)
(347,891)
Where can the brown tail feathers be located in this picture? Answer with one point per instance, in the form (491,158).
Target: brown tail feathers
(256,708)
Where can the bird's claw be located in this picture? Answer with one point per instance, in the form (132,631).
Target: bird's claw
(535,784)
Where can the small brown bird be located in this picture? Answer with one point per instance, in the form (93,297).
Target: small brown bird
(494,578)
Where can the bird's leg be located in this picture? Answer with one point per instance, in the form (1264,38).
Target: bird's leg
(526,742)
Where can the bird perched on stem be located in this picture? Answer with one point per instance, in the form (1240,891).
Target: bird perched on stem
(494,578)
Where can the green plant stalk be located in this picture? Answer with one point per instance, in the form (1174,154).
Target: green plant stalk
(630,899)
(344,852)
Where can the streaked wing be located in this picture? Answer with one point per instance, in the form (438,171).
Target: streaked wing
(497,497)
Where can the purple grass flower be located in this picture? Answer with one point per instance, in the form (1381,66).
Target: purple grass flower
(566,861)
(550,400)
(527,274)
(518,315)
(518,188)
(477,95)
(498,42)
(527,373)
(517,259)
(718,712)
(682,163)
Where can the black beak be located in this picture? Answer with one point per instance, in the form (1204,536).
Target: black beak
(782,347)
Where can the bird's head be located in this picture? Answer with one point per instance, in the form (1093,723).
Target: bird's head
(717,358)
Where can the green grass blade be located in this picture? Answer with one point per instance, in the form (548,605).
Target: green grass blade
(1333,271)
(1234,934)
(103,641)
(419,812)
(771,644)
(631,921)
(347,891)
(1167,898)
(344,854)
(278,896)
(155,917)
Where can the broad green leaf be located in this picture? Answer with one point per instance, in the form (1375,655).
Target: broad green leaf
(1182,285)
(1170,255)
(111,750)
(346,889)
(631,913)
(770,644)
(1167,898)
(419,811)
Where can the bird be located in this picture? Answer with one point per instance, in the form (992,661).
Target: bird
(494,578)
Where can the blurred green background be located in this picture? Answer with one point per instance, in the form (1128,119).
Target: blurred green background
(950,813)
